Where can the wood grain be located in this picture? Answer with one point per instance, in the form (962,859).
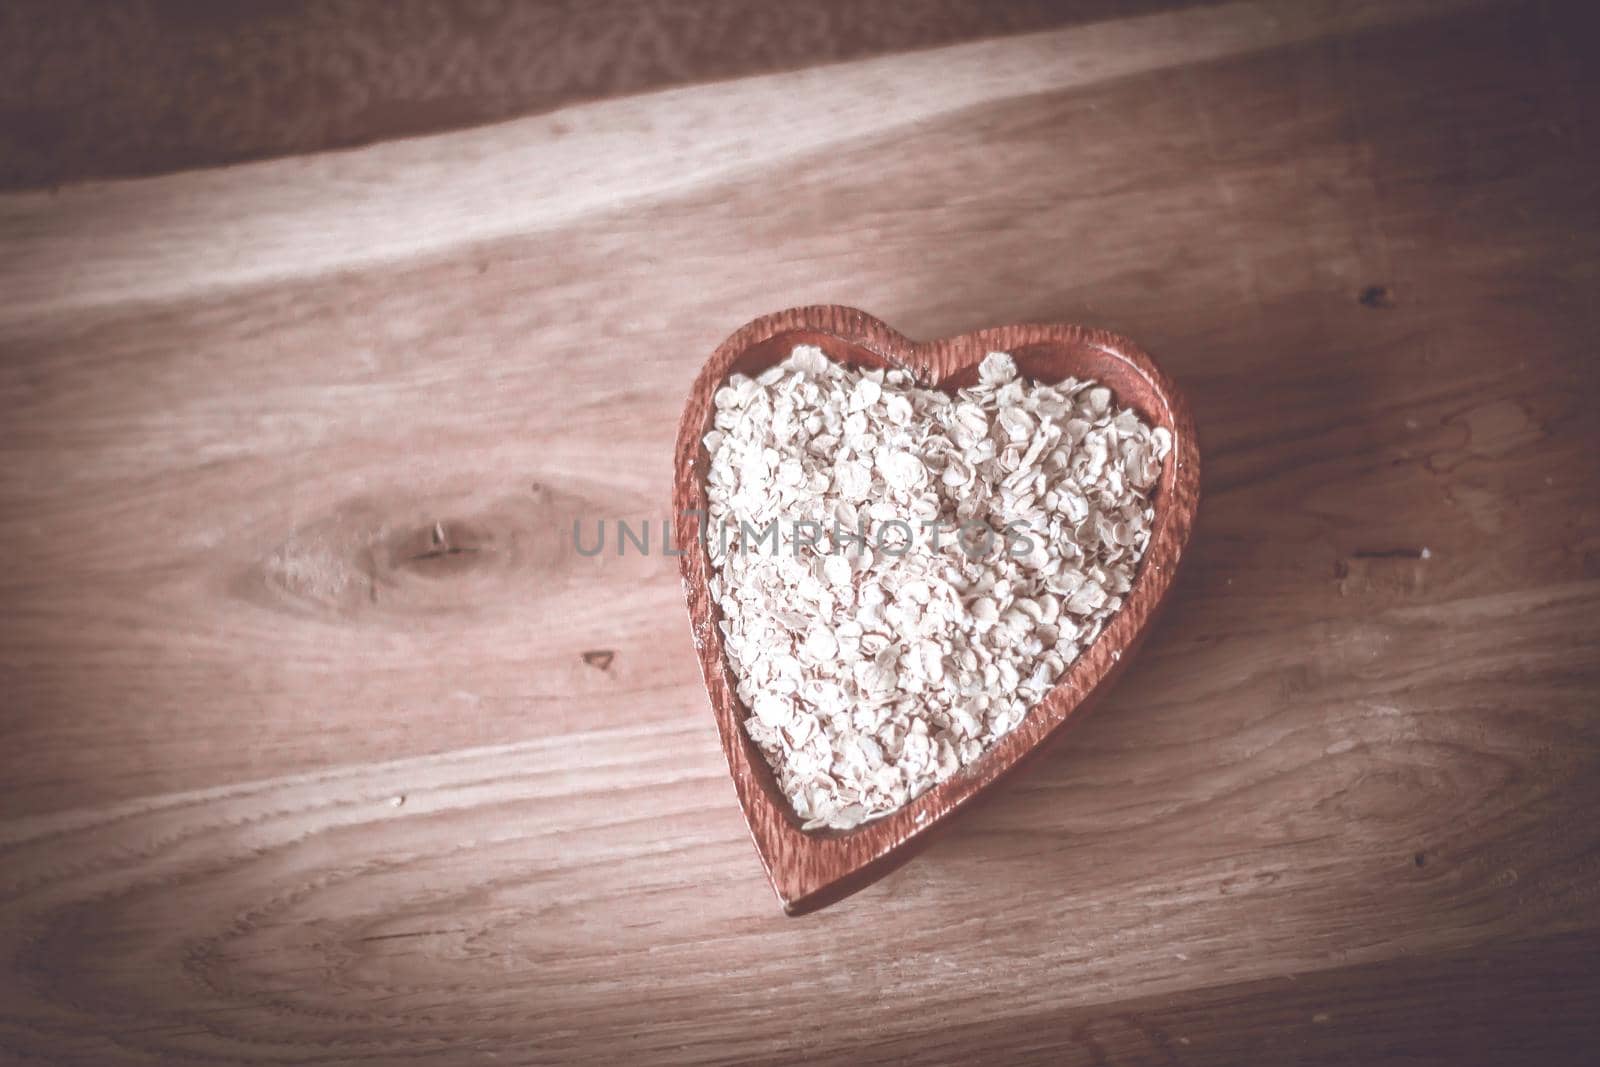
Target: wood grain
(809,870)
(288,779)
(179,84)
(409,200)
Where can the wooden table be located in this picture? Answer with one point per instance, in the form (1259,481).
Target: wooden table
(322,745)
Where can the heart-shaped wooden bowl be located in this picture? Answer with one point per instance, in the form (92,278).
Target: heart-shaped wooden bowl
(810,869)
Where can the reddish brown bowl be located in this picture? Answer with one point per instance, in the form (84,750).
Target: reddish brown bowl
(810,869)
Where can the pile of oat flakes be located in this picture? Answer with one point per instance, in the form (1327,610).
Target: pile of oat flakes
(876,664)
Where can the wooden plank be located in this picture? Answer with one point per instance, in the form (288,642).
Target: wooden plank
(1521,1001)
(224,83)
(181,237)
(232,494)
(605,881)
(289,778)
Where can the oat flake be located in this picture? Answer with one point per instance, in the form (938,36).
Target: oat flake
(876,667)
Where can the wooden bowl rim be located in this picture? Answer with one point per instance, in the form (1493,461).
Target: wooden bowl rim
(810,869)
